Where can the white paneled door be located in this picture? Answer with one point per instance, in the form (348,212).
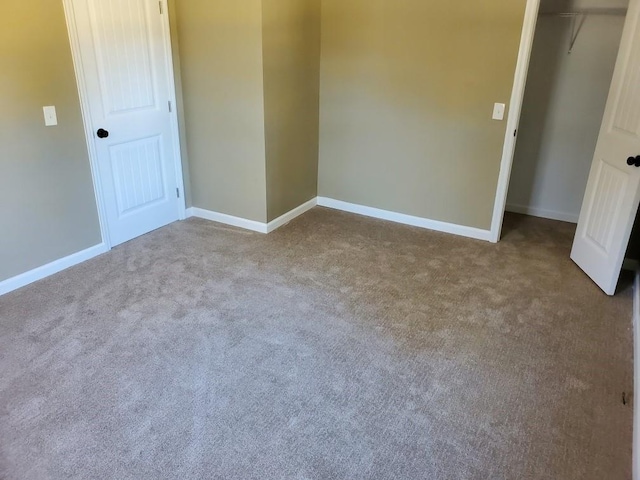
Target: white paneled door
(126,70)
(613,191)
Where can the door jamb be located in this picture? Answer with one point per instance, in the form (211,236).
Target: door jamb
(515,110)
(74,41)
(175,128)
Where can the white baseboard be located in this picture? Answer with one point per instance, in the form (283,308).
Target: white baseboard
(438,226)
(252,225)
(287,217)
(636,377)
(239,222)
(543,213)
(49,269)
(56,266)
(261,227)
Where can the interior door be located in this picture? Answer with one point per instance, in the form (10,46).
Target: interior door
(613,191)
(126,71)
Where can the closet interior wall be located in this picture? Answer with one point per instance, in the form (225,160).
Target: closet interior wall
(563,107)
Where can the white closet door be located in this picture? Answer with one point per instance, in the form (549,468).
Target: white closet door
(613,191)
(126,70)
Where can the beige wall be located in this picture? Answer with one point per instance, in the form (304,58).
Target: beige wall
(47,204)
(291,47)
(407,91)
(222,80)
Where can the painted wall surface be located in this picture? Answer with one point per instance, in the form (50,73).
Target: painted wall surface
(47,204)
(291,46)
(222,82)
(407,92)
(563,107)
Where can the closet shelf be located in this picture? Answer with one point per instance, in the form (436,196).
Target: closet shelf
(578,18)
(588,11)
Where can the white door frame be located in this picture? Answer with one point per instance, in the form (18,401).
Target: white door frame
(83,92)
(515,110)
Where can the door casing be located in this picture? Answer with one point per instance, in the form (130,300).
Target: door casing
(513,120)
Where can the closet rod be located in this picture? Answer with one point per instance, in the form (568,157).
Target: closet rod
(578,18)
(588,11)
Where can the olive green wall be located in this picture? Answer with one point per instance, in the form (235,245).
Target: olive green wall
(291,54)
(220,46)
(47,204)
(407,92)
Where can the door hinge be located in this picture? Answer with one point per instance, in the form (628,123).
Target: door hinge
(515,132)
(170,107)
(161,8)
(178,192)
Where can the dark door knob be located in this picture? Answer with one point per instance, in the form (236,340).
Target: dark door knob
(102,133)
(635,161)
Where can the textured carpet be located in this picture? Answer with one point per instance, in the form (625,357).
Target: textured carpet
(338,347)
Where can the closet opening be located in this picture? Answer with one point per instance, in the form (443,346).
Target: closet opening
(570,72)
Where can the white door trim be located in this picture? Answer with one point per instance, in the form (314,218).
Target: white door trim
(515,109)
(83,93)
(175,129)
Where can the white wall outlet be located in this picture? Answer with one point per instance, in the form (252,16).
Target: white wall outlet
(50,116)
(498,111)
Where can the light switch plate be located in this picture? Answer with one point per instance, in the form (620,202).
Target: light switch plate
(50,116)
(498,111)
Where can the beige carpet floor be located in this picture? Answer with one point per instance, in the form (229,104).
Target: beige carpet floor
(338,347)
